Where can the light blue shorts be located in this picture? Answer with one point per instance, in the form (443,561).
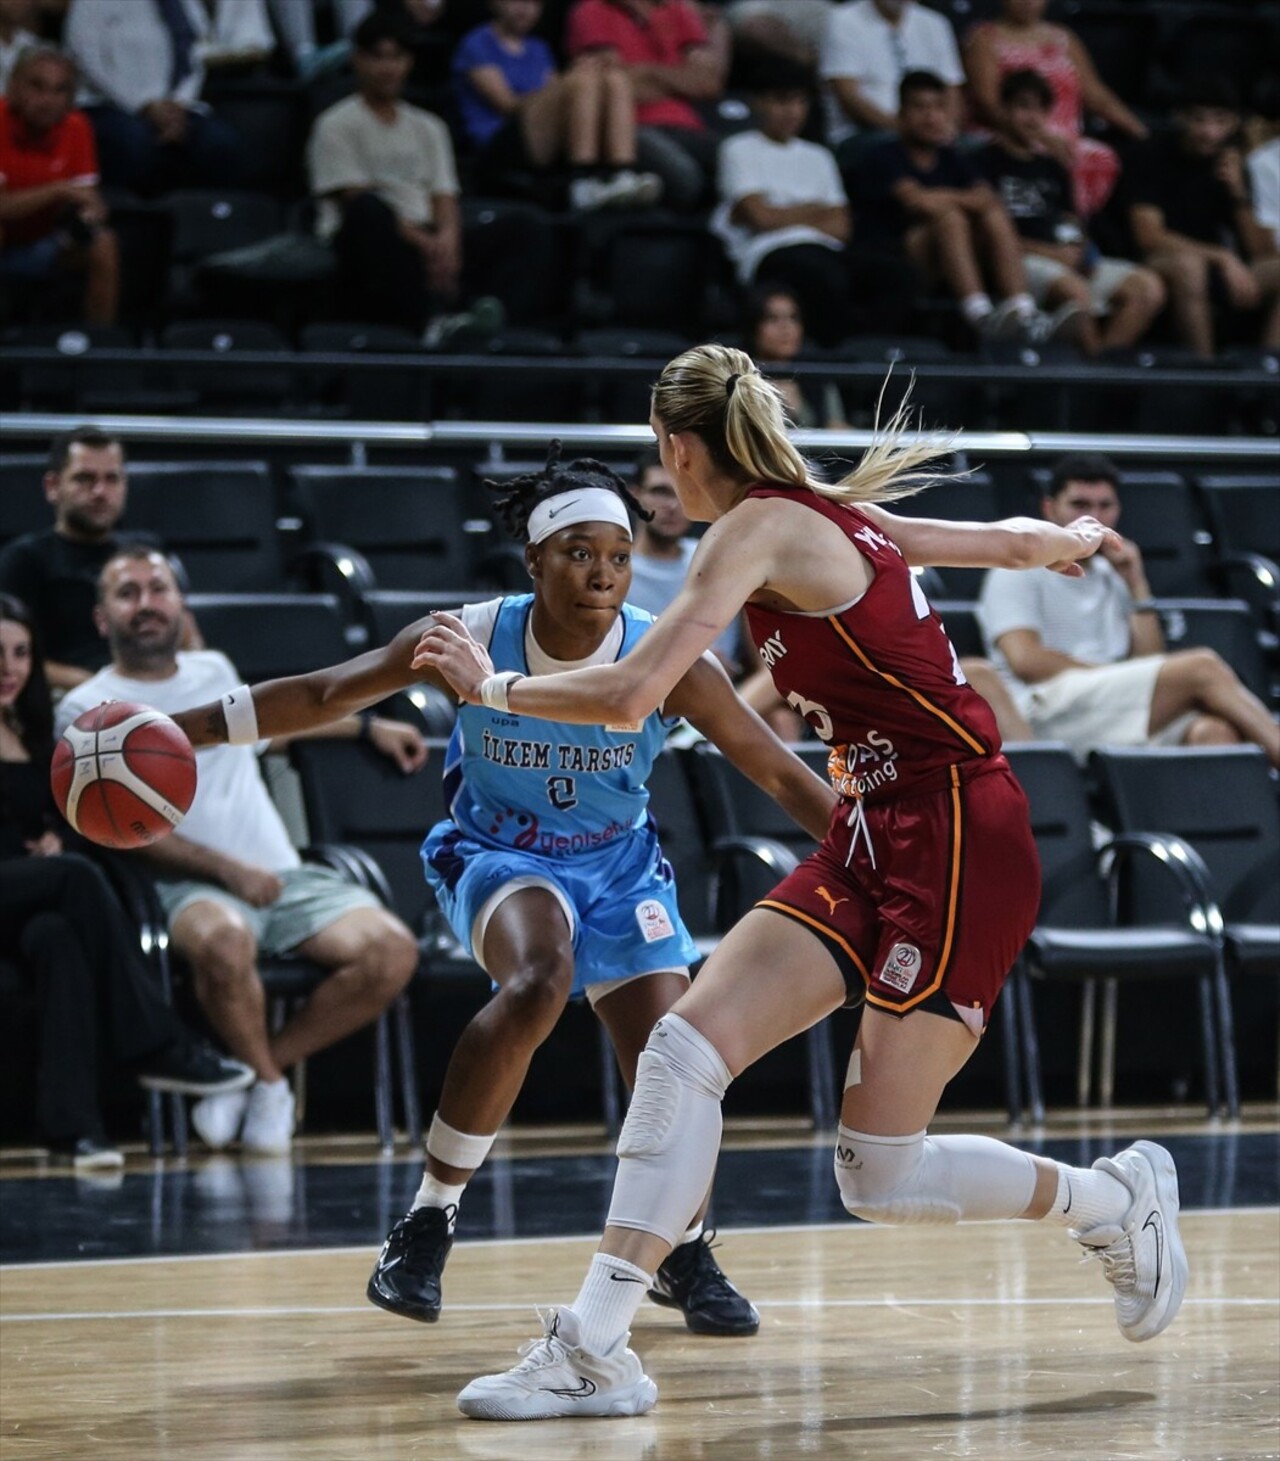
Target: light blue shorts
(313,897)
(620,902)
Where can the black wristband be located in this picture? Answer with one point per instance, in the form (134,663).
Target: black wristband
(366,718)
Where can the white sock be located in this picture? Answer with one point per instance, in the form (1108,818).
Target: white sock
(975,307)
(691,1234)
(434,1193)
(1023,305)
(607,1301)
(1088,1198)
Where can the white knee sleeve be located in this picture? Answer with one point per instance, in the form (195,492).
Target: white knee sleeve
(925,1179)
(671,1137)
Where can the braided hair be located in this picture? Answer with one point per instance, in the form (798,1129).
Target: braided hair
(516,499)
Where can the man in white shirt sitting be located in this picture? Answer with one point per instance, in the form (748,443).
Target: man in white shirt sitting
(870,46)
(231,883)
(783,216)
(142,66)
(1085,657)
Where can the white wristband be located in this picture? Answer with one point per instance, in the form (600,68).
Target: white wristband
(494,690)
(241,717)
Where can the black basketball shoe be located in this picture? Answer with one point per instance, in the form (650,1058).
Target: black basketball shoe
(691,1280)
(406,1277)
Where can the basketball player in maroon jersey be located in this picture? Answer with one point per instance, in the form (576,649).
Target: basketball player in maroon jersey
(919,897)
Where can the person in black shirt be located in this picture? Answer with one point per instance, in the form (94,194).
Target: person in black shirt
(65,934)
(1114,301)
(55,572)
(918,191)
(1192,220)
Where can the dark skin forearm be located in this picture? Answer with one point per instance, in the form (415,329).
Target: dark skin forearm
(304,703)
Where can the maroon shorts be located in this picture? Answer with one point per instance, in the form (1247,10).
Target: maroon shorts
(937,899)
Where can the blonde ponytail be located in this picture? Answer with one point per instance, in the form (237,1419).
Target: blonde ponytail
(893,467)
(719,395)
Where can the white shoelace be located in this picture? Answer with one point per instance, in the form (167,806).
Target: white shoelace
(538,1354)
(1117,1264)
(857,820)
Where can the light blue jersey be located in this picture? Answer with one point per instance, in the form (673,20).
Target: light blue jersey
(564,805)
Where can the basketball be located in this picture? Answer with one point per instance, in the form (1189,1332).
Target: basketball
(123,775)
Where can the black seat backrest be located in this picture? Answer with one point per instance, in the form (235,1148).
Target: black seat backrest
(409,522)
(1244,508)
(1224,625)
(624,399)
(354,794)
(212,222)
(1220,799)
(267,636)
(218,517)
(23,508)
(732,805)
(1073,893)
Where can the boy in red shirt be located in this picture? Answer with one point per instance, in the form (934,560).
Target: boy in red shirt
(52,217)
(666,51)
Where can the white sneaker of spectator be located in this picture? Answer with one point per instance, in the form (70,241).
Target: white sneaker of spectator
(623,189)
(269,1118)
(217,1119)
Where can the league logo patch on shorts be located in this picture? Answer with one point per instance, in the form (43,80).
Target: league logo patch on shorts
(902,968)
(654,920)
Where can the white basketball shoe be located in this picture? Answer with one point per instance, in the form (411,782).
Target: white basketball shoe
(1143,1257)
(557,1378)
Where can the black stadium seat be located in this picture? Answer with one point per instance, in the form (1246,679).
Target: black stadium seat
(270,635)
(218,517)
(1223,625)
(207,223)
(1244,508)
(410,523)
(974,498)
(1076,939)
(264,388)
(1215,810)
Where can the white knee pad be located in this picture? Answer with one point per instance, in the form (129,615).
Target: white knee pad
(925,1179)
(669,1142)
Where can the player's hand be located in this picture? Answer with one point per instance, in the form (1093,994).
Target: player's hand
(449,649)
(252,885)
(403,743)
(1087,537)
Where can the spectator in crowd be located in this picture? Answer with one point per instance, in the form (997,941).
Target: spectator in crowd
(521,115)
(237,38)
(296,22)
(1085,657)
(142,70)
(920,191)
(662,550)
(1115,300)
(1193,222)
(775,331)
(53,221)
(791,28)
(383,174)
(784,216)
(17,32)
(665,49)
(1262,157)
(231,883)
(1021,40)
(55,572)
(870,48)
(63,929)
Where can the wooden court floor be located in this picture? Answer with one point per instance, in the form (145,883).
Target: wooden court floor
(989,1342)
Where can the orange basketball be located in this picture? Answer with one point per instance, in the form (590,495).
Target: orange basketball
(123,775)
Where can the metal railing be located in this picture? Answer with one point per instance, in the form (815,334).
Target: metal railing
(493,436)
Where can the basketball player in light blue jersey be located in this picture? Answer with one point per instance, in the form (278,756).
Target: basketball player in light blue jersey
(549,868)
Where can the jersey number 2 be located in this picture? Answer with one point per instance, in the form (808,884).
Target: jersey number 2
(561,793)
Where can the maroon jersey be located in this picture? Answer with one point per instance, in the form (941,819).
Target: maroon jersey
(879,680)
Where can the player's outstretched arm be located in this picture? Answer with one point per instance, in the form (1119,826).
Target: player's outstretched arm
(303,703)
(1014,542)
(708,701)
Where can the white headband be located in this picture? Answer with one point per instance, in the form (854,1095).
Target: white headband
(577,505)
